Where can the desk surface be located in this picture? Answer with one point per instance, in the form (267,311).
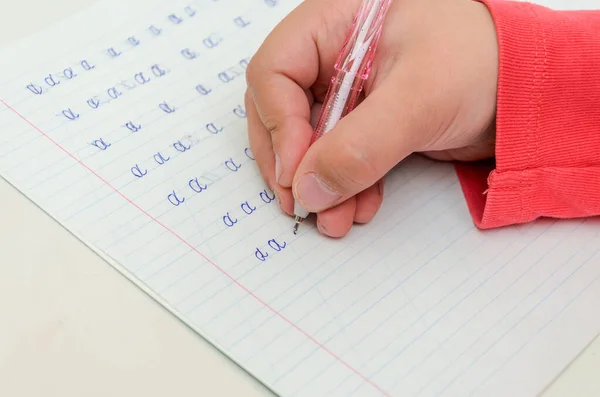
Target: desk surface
(73,326)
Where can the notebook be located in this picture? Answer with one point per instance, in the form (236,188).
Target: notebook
(126,123)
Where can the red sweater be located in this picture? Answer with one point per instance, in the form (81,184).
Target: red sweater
(547,161)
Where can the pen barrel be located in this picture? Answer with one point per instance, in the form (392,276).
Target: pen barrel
(353,66)
(342,98)
(358,51)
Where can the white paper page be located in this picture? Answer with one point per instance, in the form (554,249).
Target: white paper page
(418,303)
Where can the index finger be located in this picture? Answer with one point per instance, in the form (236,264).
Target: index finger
(292,67)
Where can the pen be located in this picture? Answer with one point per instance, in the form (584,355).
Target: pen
(351,71)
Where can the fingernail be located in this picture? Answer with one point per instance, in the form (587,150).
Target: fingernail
(278,170)
(314,194)
(321,228)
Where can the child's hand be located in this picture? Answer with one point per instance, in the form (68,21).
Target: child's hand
(432,90)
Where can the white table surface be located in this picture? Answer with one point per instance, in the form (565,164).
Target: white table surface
(70,325)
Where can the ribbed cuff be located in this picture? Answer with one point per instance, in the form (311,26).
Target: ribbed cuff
(548,119)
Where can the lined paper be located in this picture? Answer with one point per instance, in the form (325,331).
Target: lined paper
(126,124)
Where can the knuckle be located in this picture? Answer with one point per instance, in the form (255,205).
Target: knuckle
(255,78)
(252,70)
(349,168)
(272,126)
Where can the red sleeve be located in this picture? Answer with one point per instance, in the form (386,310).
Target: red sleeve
(547,161)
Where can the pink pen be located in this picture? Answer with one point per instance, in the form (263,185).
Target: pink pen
(351,71)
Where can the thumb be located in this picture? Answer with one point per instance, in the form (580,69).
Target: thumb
(356,154)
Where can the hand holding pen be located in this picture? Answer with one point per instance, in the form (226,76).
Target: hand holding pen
(424,93)
(351,72)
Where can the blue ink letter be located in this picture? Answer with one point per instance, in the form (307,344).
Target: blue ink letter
(166,108)
(232,165)
(203,90)
(213,129)
(180,147)
(228,221)
(100,144)
(266,197)
(188,54)
(94,103)
(276,246)
(158,157)
(244,63)
(211,42)
(176,201)
(239,21)
(69,114)
(247,208)
(175,19)
(69,73)
(113,93)
(86,65)
(137,172)
(196,186)
(154,30)
(133,41)
(35,89)
(157,71)
(260,255)
(132,127)
(240,112)
(141,79)
(113,53)
(190,11)
(51,81)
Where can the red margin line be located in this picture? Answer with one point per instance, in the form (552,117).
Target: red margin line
(262,302)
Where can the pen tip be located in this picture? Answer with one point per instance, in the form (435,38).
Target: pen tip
(297,225)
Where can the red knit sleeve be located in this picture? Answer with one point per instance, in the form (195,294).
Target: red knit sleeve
(547,161)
